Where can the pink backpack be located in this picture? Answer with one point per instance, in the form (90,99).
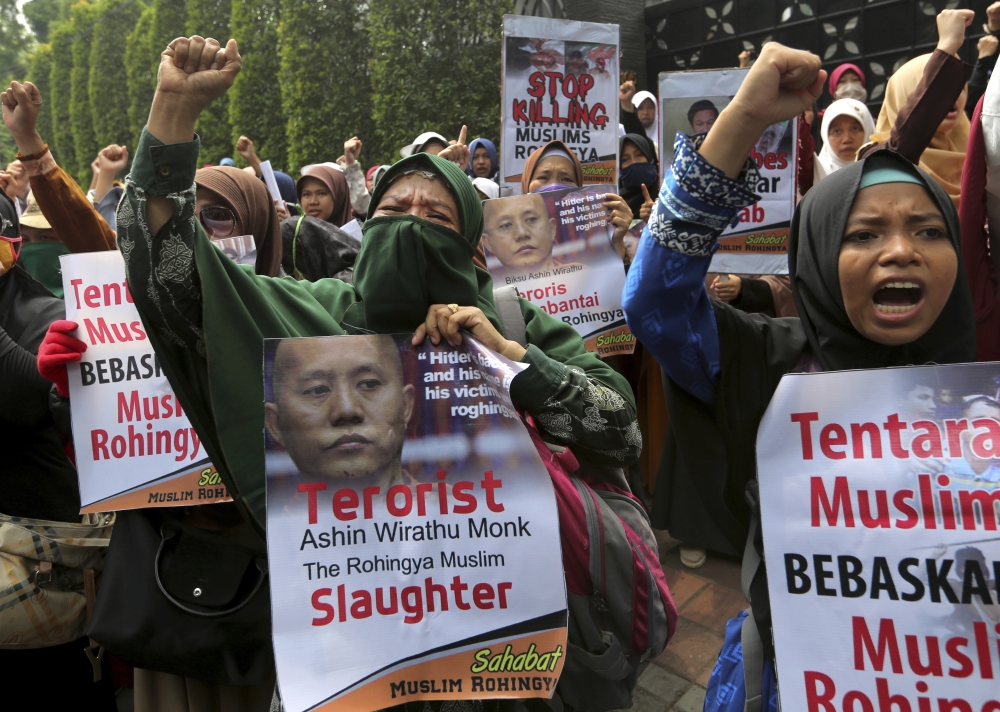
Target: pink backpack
(621,614)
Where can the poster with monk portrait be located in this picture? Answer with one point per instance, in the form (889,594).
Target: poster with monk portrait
(555,248)
(690,102)
(411,525)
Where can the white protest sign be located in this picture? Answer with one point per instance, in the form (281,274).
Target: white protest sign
(555,247)
(271,182)
(134,446)
(880,498)
(411,526)
(758,244)
(560,82)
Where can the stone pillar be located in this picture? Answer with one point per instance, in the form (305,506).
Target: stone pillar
(630,16)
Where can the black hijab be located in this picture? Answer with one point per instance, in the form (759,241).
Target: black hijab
(813,252)
(316,249)
(709,453)
(633,194)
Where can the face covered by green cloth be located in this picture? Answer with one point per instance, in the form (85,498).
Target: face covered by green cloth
(41,260)
(406,264)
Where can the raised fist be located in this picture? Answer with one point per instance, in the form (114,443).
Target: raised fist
(245,148)
(987,46)
(352,149)
(782,83)
(197,71)
(21,103)
(626,90)
(951,26)
(993,18)
(112,159)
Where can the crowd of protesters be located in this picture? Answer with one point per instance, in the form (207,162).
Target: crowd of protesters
(906,197)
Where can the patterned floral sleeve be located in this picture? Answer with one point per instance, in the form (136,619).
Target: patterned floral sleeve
(160,268)
(666,304)
(573,406)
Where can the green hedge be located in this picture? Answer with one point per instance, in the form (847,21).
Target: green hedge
(210,18)
(60,83)
(40,74)
(81,119)
(324,79)
(255,99)
(140,77)
(109,105)
(434,67)
(315,73)
(169,23)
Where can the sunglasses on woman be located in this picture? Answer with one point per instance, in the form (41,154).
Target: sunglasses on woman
(218,220)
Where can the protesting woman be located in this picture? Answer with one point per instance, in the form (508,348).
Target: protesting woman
(207,317)
(847,126)
(232,203)
(324,195)
(855,238)
(639,168)
(923,116)
(483,159)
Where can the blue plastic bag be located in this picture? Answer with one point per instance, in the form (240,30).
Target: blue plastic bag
(726,691)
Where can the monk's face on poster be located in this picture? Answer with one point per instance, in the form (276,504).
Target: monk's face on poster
(519,231)
(340,406)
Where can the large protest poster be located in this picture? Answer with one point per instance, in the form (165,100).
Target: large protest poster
(555,247)
(412,528)
(880,498)
(560,82)
(134,446)
(690,102)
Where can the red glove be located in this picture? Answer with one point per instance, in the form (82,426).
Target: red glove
(59,348)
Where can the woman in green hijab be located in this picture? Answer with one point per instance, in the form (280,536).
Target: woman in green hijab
(207,317)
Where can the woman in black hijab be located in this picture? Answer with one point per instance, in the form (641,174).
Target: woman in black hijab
(637,160)
(877,280)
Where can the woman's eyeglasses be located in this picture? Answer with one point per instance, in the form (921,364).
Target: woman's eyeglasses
(218,220)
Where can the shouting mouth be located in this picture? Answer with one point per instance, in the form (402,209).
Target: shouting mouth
(898,298)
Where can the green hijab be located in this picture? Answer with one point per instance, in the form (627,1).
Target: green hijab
(406,263)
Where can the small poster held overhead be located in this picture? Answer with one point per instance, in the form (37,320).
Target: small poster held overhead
(556,249)
(690,102)
(134,445)
(560,82)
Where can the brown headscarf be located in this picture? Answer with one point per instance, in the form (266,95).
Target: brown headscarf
(536,156)
(248,198)
(336,183)
(944,158)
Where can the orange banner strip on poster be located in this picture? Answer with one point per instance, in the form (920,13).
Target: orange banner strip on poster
(201,485)
(451,677)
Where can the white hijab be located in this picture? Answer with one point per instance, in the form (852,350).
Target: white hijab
(651,131)
(827,161)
